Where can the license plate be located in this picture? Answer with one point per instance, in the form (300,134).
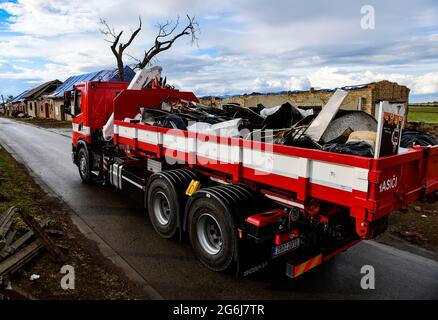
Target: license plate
(285,247)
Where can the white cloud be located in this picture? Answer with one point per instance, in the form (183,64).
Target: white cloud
(327,77)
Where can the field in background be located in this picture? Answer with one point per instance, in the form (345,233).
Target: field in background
(423,113)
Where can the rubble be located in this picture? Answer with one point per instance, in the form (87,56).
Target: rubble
(330,129)
(411,138)
(358,148)
(414,237)
(353,120)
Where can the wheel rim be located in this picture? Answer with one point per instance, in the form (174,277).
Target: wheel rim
(161,208)
(209,234)
(83,165)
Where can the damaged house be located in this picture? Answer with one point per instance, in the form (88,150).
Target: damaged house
(29,101)
(360,97)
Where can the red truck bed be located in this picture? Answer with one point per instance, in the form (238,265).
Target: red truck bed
(371,188)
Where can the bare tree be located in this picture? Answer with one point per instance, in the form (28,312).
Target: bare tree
(163,41)
(117,47)
(166,37)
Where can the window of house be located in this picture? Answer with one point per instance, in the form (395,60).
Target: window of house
(362,103)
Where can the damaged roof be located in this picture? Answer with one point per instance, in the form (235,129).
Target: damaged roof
(20,97)
(102,75)
(46,87)
(37,91)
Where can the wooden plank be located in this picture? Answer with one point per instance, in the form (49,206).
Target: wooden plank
(5,221)
(20,241)
(16,261)
(39,232)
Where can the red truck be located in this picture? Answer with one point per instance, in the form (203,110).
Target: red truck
(243,204)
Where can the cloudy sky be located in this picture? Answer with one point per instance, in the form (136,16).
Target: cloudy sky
(244,45)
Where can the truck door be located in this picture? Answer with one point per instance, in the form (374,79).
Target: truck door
(81,130)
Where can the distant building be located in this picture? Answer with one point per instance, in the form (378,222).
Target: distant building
(18,104)
(56,98)
(34,97)
(361,97)
(28,101)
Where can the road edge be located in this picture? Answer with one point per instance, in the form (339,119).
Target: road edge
(39,127)
(90,234)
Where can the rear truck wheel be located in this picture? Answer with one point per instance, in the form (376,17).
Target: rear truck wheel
(162,203)
(212,234)
(84,165)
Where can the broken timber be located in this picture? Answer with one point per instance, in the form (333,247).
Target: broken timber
(46,241)
(16,261)
(9,249)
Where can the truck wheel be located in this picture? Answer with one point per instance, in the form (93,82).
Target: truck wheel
(211,234)
(163,208)
(84,165)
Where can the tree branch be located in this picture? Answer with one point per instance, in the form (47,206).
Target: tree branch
(117,47)
(191,29)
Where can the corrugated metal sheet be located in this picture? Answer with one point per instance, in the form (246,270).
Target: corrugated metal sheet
(102,75)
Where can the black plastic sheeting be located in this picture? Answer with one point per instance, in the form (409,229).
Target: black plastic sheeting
(285,117)
(357,148)
(411,137)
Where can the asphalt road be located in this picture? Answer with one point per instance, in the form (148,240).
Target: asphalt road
(171,268)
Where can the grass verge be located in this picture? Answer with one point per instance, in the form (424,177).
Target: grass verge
(95,276)
(45,123)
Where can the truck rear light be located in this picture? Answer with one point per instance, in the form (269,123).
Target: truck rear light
(286,237)
(263,224)
(265,218)
(313,206)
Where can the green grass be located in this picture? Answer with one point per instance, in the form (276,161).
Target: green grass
(16,187)
(423,114)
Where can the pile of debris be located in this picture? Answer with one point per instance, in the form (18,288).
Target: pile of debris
(19,114)
(329,129)
(19,245)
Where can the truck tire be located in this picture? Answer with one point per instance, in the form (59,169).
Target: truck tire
(162,203)
(84,165)
(211,232)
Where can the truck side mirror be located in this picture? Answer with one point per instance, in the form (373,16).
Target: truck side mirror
(67,103)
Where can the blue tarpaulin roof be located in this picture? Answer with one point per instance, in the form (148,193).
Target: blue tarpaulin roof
(102,75)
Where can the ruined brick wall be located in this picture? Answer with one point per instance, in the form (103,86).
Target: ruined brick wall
(389,91)
(362,98)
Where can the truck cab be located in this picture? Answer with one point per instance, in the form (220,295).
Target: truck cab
(91,106)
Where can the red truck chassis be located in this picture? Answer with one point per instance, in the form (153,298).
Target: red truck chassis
(243,203)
